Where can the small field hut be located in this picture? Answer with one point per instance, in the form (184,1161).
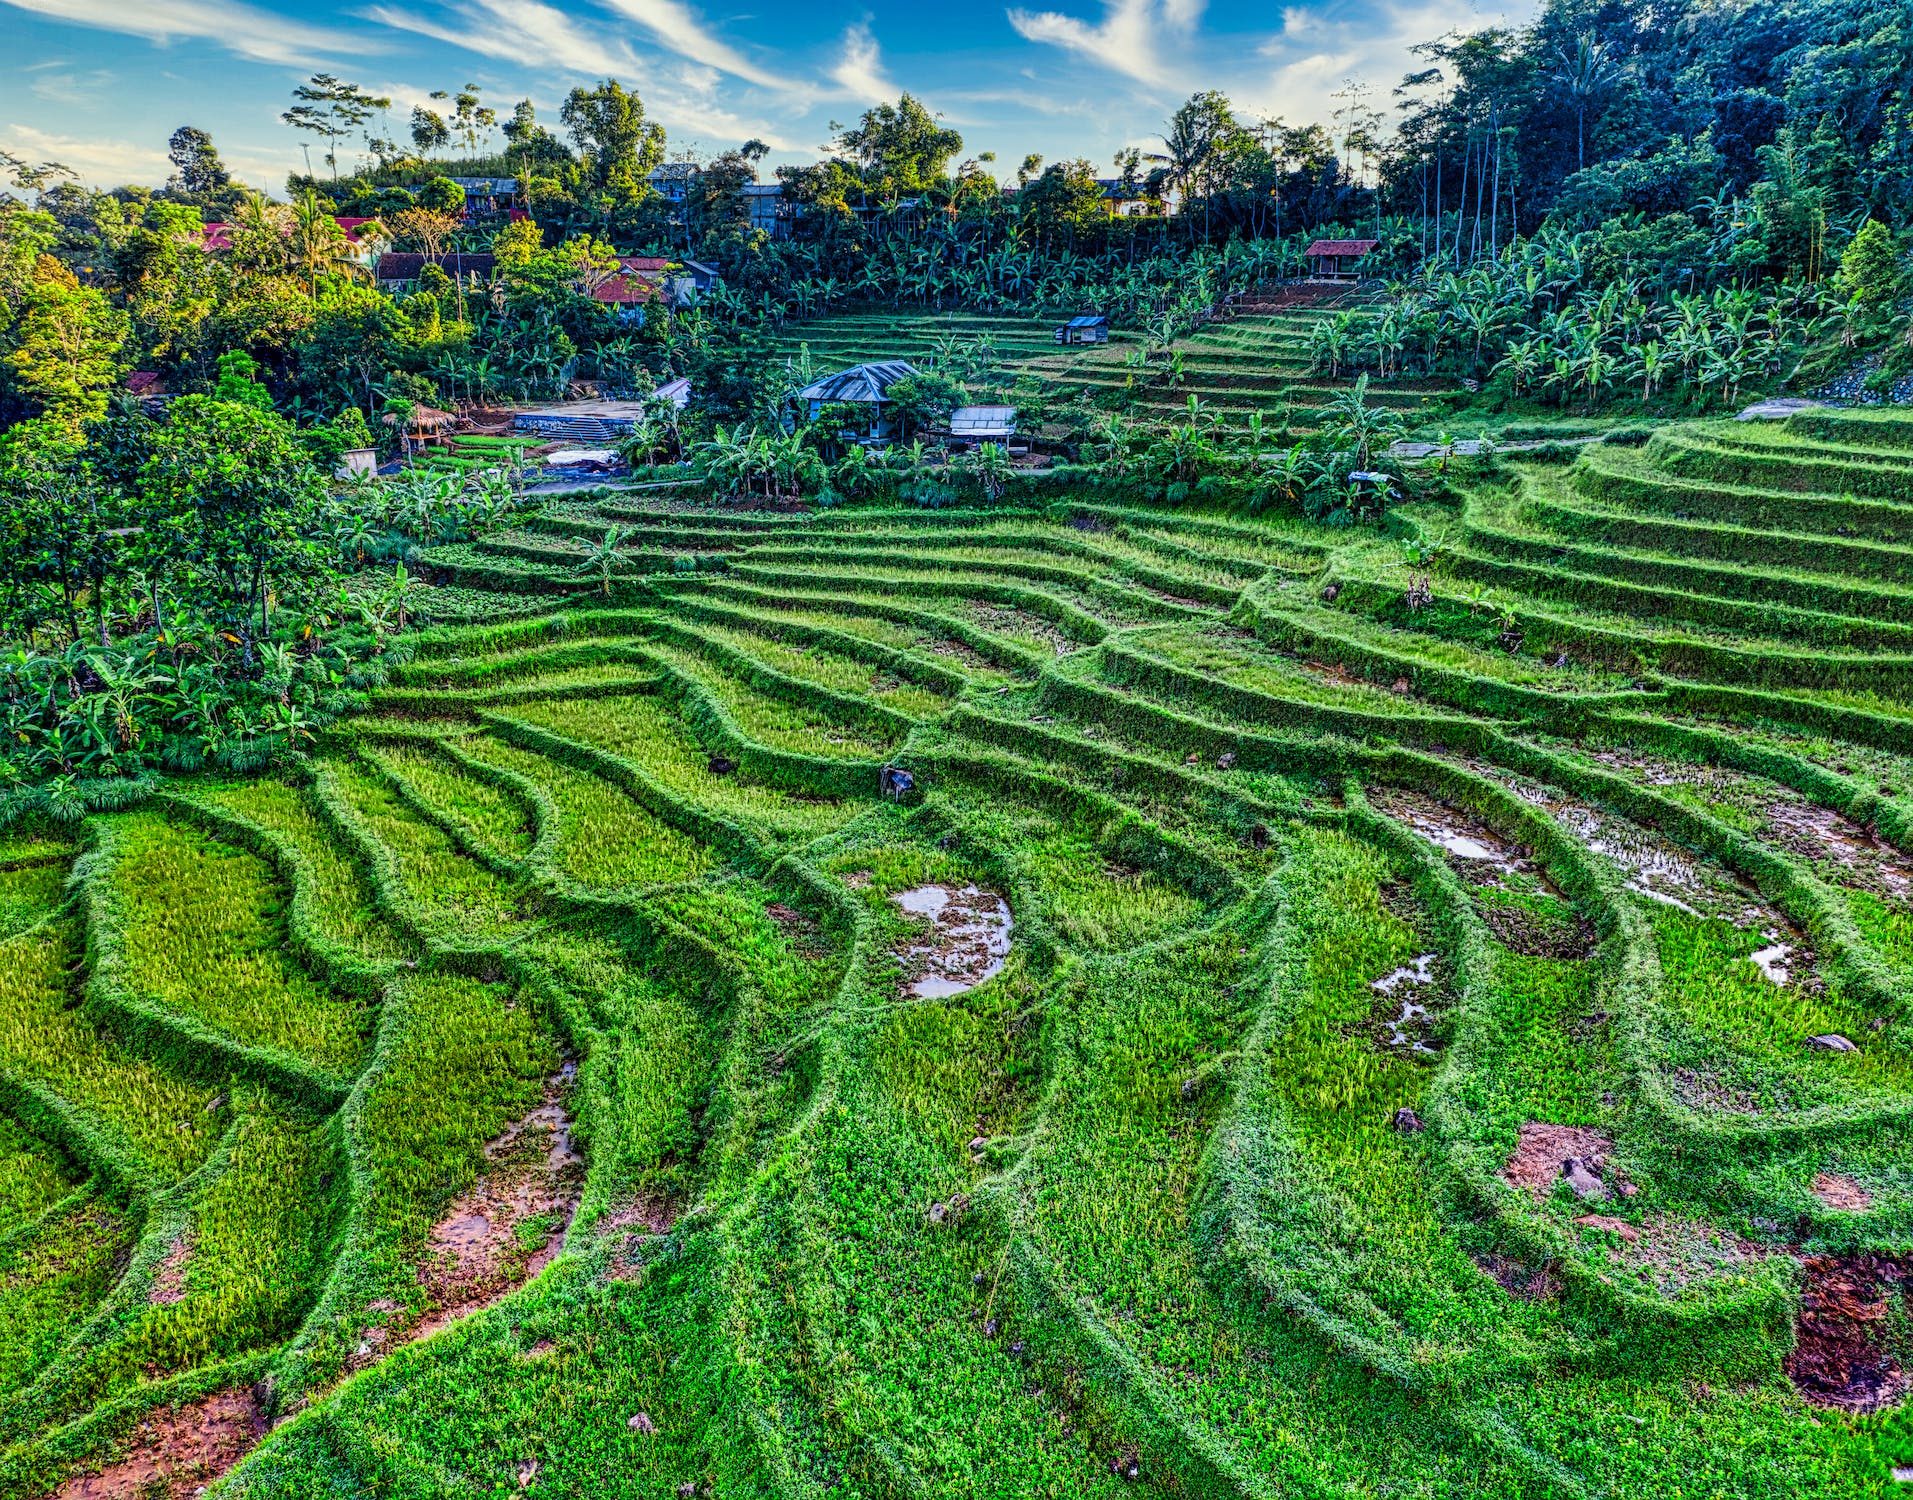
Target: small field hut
(1338,260)
(973,426)
(1084,328)
(425,424)
(860,385)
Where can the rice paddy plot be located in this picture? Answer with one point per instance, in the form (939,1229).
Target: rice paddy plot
(34,1175)
(605,840)
(443,890)
(642,730)
(778,722)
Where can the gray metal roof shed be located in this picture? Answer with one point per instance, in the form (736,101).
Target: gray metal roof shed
(866,383)
(983,422)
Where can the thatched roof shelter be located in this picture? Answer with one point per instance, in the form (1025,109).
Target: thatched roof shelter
(424,419)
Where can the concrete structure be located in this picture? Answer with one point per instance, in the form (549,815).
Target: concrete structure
(584,423)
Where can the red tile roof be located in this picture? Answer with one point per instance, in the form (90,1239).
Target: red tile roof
(625,291)
(1341,247)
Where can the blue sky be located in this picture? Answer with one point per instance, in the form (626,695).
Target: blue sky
(100,84)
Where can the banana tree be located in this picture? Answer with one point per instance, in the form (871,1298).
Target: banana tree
(602,558)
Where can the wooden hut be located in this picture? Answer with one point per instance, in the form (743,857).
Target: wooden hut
(427,425)
(1084,328)
(1337,260)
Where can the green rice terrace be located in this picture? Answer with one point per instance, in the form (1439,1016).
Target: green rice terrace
(1322,1012)
(1262,358)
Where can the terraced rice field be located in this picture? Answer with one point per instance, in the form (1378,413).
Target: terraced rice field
(1300,1032)
(1257,360)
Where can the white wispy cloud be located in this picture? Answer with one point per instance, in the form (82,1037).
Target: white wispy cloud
(520,31)
(689,101)
(1315,51)
(250,32)
(859,72)
(684,97)
(1038,100)
(677,28)
(73,87)
(102,163)
(1135,37)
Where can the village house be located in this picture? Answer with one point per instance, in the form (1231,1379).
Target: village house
(1126,200)
(973,426)
(486,197)
(674,179)
(636,282)
(771,209)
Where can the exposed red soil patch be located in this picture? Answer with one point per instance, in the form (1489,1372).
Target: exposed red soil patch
(1517,1278)
(511,1223)
(169,1281)
(1541,1150)
(1841,1193)
(175,1452)
(1840,1356)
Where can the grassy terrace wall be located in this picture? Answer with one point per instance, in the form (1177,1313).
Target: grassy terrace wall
(594,1071)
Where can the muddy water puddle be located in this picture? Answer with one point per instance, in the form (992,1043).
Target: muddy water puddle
(1464,838)
(1408,1002)
(965,939)
(1651,864)
(1838,848)
(1656,868)
(1522,907)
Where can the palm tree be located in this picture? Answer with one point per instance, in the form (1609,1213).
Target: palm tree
(318,246)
